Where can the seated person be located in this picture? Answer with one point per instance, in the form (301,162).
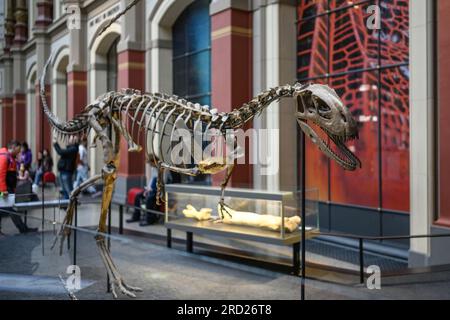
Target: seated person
(23,175)
(44,164)
(149,198)
(149,195)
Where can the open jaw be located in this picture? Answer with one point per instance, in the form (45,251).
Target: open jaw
(340,153)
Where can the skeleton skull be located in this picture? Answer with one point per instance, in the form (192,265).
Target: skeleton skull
(320,105)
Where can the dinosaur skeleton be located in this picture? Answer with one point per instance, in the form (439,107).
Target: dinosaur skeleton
(155,117)
(132,114)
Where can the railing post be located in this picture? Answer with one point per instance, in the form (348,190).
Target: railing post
(169,238)
(75,233)
(120,219)
(361,260)
(189,242)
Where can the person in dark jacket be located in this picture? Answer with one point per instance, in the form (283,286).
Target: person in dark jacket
(67,165)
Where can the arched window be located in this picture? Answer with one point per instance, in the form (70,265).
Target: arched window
(112,67)
(59,86)
(192,53)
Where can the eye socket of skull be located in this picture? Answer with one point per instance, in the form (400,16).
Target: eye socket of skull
(303,100)
(323,109)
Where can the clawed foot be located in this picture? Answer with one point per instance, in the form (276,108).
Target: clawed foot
(223,207)
(123,287)
(115,279)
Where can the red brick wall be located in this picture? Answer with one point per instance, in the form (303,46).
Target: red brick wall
(443,83)
(231,70)
(76,93)
(7,120)
(19,117)
(45,130)
(131,75)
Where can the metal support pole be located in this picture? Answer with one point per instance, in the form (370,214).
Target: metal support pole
(189,242)
(303,208)
(296,258)
(361,260)
(169,238)
(43,181)
(75,234)
(120,219)
(108,288)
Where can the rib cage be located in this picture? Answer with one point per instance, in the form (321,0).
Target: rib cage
(152,118)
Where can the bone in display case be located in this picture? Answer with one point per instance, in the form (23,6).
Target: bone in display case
(266,216)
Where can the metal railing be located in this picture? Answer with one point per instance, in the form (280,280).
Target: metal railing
(361,240)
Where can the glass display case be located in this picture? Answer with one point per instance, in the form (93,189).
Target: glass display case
(267,216)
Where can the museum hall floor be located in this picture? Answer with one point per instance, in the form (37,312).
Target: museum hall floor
(30,270)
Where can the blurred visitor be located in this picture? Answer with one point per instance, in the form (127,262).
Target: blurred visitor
(67,164)
(8,167)
(8,181)
(24,175)
(44,164)
(147,199)
(25,157)
(83,167)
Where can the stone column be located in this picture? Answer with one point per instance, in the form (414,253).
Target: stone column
(44,13)
(6,102)
(231,63)
(77,90)
(275,64)
(131,74)
(21,27)
(43,20)
(10,22)
(7,119)
(19,98)
(422,130)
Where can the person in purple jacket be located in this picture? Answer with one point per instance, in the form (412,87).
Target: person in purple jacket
(25,157)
